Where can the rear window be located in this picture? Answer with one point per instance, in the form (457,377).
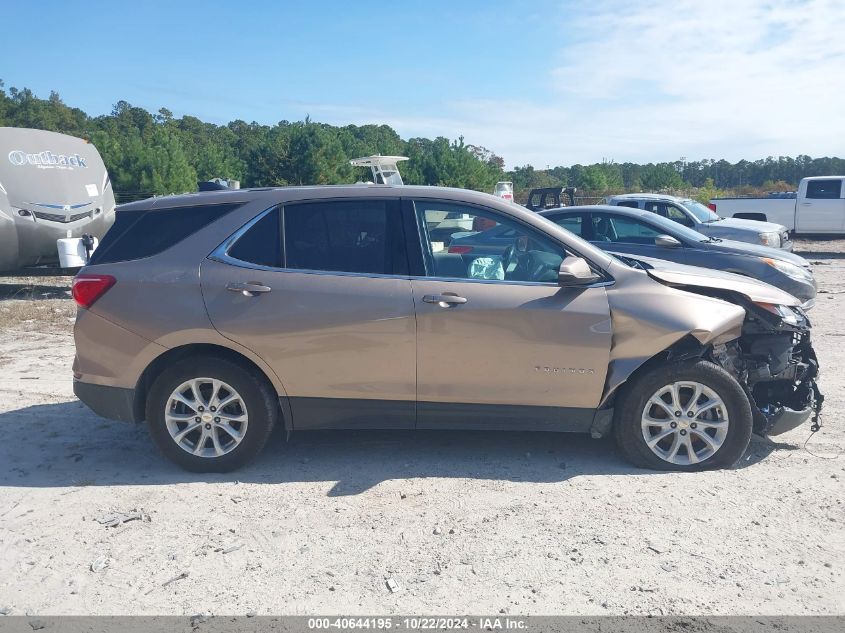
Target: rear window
(824,189)
(142,233)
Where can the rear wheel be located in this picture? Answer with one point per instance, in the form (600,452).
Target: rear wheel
(210,415)
(689,416)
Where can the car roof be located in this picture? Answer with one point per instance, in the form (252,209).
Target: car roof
(645,196)
(277,195)
(591,208)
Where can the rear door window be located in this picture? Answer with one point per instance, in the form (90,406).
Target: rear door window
(631,204)
(355,236)
(147,232)
(824,189)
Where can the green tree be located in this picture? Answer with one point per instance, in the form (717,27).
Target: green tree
(163,166)
(593,179)
(660,177)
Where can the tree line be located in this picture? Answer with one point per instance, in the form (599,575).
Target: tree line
(154,154)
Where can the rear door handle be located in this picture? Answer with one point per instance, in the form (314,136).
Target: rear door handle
(249,288)
(444,300)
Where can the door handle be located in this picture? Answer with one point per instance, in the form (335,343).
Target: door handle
(249,288)
(445,300)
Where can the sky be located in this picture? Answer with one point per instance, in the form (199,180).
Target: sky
(541,82)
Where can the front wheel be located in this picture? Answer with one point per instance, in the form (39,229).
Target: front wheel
(687,416)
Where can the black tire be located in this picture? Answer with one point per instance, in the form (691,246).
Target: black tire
(258,395)
(632,401)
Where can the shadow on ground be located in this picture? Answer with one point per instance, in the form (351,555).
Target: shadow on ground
(66,445)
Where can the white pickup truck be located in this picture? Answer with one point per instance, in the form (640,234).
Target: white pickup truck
(817,207)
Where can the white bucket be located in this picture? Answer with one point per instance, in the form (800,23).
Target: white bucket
(72,252)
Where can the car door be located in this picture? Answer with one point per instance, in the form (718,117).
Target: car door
(320,291)
(499,343)
(629,235)
(822,209)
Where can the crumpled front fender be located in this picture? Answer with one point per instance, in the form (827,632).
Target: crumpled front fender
(649,317)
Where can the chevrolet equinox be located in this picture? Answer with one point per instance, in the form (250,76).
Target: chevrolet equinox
(217,316)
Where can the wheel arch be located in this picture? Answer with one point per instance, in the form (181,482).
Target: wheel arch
(684,348)
(176,354)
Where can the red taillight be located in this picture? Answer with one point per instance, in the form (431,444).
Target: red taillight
(88,288)
(460,250)
(711,206)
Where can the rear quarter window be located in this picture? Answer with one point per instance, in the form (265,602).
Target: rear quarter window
(824,189)
(147,232)
(262,243)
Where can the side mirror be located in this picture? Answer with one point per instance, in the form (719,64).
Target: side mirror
(666,241)
(575,271)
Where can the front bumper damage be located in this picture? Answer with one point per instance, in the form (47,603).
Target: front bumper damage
(776,365)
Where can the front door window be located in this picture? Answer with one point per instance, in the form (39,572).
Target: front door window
(464,242)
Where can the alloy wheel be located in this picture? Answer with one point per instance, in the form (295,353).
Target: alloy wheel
(206,417)
(685,423)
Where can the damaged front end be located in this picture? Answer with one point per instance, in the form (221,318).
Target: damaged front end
(756,332)
(775,363)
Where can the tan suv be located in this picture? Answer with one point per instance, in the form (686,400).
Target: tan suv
(216,316)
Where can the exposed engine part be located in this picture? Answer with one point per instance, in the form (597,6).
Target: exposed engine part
(775,363)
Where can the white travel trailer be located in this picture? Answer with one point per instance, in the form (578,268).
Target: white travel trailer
(52,187)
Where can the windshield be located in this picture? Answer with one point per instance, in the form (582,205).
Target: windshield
(703,213)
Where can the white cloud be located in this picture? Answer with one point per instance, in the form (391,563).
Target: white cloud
(670,78)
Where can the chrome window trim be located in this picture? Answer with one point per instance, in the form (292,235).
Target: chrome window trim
(422,235)
(506,282)
(341,273)
(221,254)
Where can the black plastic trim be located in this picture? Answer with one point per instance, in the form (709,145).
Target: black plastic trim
(787,419)
(502,417)
(114,403)
(312,414)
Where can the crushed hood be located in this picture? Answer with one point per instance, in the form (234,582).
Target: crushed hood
(681,275)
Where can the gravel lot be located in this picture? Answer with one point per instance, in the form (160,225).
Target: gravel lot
(462,522)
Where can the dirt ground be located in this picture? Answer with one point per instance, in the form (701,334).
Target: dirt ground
(461,522)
